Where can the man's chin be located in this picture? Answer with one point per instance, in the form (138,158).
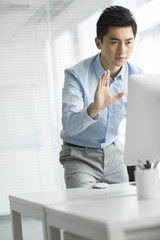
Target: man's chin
(120,63)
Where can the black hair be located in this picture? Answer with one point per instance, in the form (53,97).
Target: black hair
(115,16)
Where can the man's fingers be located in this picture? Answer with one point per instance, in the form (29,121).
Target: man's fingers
(107,79)
(99,86)
(103,81)
(104,78)
(119,95)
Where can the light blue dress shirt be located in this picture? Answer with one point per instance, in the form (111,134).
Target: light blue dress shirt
(78,92)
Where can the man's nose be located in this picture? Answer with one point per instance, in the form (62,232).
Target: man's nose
(122,48)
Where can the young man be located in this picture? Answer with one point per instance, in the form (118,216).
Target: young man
(94,103)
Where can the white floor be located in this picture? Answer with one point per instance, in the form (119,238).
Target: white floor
(32,229)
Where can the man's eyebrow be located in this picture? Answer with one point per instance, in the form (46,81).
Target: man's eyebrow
(117,39)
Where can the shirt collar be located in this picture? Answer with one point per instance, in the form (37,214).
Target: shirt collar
(98,66)
(100,70)
(121,73)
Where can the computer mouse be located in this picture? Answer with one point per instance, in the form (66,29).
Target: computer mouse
(100,185)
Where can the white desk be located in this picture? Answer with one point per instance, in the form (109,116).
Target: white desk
(33,204)
(118,218)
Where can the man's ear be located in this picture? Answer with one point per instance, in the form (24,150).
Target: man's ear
(98,42)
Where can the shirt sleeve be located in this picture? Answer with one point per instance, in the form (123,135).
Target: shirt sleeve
(75,118)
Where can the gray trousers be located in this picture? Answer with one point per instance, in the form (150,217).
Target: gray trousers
(85,166)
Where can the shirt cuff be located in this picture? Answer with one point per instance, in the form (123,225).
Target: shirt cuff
(88,118)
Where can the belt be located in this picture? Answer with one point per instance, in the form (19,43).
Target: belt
(72,145)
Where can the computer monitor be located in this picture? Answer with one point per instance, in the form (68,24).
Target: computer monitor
(142,140)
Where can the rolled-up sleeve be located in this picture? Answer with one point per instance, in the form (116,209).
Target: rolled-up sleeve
(75,118)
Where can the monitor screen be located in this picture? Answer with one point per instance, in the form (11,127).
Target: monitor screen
(142,140)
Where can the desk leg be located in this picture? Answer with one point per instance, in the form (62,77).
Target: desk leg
(45,233)
(16,225)
(54,233)
(115,232)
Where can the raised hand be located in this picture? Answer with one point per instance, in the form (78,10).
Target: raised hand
(103,97)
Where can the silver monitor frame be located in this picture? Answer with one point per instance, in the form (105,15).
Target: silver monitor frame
(142,138)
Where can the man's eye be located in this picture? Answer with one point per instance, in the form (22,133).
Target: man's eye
(114,43)
(129,43)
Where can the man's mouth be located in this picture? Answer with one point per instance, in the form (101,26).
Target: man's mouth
(120,58)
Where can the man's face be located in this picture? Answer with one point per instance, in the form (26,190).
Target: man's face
(116,47)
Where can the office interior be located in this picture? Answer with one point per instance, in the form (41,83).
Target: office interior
(39,39)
